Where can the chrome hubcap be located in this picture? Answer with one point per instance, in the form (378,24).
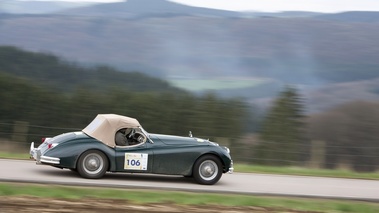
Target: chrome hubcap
(93,163)
(208,170)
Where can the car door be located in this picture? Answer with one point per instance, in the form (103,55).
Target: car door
(136,159)
(171,159)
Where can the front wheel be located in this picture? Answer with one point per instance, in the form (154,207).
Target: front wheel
(92,164)
(207,170)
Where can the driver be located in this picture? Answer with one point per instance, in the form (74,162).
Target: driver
(120,138)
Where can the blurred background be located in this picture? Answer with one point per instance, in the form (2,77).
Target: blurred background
(280,87)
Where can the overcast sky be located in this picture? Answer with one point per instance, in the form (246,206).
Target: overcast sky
(276,5)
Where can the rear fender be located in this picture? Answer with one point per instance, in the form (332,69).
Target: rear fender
(70,152)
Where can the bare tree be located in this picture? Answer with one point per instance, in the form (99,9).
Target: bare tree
(351,133)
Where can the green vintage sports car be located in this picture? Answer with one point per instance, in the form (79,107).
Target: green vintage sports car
(116,143)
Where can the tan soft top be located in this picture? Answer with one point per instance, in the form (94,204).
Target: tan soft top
(105,126)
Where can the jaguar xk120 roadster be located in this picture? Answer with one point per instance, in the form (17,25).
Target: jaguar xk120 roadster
(116,143)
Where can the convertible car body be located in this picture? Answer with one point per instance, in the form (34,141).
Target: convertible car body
(94,151)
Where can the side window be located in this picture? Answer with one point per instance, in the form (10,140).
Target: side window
(129,137)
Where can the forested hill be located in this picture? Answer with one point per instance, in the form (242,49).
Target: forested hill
(310,50)
(28,93)
(49,70)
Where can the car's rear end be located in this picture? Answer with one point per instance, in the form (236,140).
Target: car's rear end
(41,155)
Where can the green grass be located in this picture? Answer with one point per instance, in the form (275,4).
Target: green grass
(13,155)
(186,198)
(305,171)
(196,85)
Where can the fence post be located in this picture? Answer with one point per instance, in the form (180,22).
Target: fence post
(223,141)
(317,159)
(20,131)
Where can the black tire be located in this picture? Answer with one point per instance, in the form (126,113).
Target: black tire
(92,164)
(207,170)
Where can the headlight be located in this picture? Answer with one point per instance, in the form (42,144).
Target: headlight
(227,149)
(213,143)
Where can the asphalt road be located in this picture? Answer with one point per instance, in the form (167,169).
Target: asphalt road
(245,183)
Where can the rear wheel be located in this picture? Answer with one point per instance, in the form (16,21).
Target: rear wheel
(207,170)
(92,164)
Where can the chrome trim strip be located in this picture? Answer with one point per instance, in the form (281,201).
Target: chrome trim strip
(146,134)
(50,160)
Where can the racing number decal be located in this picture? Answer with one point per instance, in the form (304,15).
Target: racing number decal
(136,161)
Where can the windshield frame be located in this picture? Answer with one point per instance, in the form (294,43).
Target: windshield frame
(146,134)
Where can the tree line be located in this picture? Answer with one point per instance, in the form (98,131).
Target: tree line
(345,137)
(65,76)
(166,112)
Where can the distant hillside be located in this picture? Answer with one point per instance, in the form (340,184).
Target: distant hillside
(353,16)
(285,14)
(38,7)
(326,97)
(49,70)
(291,50)
(131,8)
(142,8)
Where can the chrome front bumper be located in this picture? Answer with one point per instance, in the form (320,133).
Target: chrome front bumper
(35,153)
(231,168)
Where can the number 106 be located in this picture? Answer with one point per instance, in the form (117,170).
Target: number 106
(133,162)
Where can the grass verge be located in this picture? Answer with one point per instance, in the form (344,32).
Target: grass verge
(9,155)
(186,198)
(306,171)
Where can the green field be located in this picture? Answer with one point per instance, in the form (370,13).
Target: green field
(288,170)
(196,85)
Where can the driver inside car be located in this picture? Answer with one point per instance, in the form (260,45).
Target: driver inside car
(120,138)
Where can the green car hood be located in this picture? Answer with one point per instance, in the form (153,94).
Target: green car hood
(178,140)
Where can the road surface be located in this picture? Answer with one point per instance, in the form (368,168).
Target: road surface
(241,183)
